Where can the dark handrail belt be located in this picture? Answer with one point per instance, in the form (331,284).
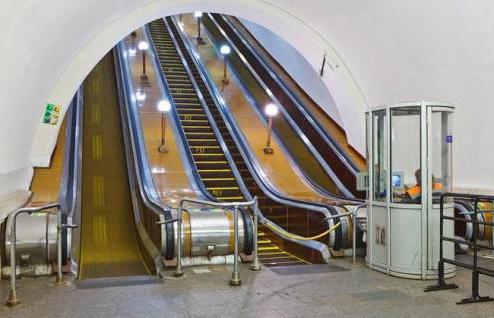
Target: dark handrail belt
(474,267)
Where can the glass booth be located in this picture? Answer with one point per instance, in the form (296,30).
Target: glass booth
(409,158)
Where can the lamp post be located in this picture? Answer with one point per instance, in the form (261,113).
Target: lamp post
(198,16)
(271,110)
(143,46)
(225,51)
(164,107)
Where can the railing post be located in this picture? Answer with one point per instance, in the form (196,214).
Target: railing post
(13,300)
(235,281)
(59,246)
(256,266)
(475,297)
(441,284)
(178,270)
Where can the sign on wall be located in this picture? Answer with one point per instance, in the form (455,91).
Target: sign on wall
(52,114)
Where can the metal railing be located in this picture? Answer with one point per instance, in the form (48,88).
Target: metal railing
(235,280)
(474,266)
(13,299)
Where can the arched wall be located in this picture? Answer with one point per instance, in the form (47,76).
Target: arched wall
(396,50)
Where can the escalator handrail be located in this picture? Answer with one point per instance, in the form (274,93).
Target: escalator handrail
(345,158)
(72,156)
(175,119)
(70,186)
(310,146)
(249,158)
(147,190)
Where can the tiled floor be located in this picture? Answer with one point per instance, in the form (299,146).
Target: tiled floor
(358,292)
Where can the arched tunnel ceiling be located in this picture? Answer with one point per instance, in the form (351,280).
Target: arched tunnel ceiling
(379,51)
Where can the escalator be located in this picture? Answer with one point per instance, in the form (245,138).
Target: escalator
(225,180)
(208,156)
(318,155)
(109,243)
(332,130)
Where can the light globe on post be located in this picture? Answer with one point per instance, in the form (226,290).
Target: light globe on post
(271,110)
(164,107)
(198,16)
(225,50)
(143,46)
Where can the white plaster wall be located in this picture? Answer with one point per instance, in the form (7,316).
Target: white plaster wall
(297,66)
(381,51)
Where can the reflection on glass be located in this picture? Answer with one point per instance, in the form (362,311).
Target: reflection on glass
(405,155)
(441,147)
(379,155)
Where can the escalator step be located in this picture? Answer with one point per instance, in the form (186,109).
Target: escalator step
(268,248)
(236,198)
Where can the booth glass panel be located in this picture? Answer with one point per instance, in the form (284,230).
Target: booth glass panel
(441,148)
(379,155)
(405,155)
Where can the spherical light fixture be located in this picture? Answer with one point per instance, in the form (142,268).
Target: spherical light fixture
(225,49)
(271,110)
(164,106)
(143,46)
